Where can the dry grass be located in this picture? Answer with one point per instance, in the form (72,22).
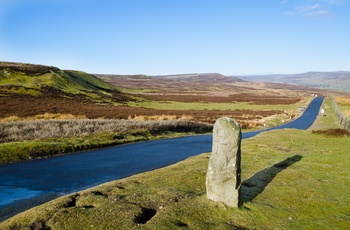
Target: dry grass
(160,118)
(45,116)
(23,140)
(341,100)
(43,129)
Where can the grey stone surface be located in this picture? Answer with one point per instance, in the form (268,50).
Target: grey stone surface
(223,178)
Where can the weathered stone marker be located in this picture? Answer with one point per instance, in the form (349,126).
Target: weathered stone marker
(224,169)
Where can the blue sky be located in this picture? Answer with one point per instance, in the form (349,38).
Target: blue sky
(232,37)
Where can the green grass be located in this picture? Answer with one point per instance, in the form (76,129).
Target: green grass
(328,121)
(16,151)
(297,180)
(344,108)
(310,193)
(69,81)
(174,105)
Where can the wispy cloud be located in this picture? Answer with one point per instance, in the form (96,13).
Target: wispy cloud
(314,8)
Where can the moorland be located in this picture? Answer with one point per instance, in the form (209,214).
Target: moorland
(308,192)
(149,106)
(339,80)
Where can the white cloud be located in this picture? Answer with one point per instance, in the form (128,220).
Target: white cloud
(311,11)
(314,8)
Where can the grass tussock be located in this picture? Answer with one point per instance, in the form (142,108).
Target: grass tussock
(44,129)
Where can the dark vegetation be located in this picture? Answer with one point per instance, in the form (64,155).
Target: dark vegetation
(332,132)
(239,97)
(29,69)
(53,101)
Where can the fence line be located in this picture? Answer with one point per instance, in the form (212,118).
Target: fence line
(344,120)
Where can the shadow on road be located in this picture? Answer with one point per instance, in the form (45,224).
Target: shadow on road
(255,185)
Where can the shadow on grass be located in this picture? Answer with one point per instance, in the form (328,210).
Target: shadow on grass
(255,185)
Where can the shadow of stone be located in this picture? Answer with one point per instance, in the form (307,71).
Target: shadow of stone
(255,185)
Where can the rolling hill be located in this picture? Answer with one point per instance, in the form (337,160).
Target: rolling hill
(325,80)
(36,80)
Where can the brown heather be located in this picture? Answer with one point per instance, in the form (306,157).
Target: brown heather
(43,129)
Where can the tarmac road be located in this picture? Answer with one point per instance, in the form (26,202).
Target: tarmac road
(27,184)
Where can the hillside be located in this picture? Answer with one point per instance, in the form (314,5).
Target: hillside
(325,80)
(29,90)
(19,78)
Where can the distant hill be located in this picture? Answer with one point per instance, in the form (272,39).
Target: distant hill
(36,80)
(193,77)
(325,80)
(202,77)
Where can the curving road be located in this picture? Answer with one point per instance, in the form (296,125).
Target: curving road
(27,184)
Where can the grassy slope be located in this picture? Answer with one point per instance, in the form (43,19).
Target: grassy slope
(30,79)
(300,179)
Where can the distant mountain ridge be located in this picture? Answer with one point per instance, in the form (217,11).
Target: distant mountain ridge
(201,77)
(339,80)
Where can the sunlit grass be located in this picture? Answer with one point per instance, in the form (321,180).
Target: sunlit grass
(311,193)
(329,120)
(343,104)
(175,105)
(305,180)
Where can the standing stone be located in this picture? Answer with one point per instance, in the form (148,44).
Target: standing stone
(224,170)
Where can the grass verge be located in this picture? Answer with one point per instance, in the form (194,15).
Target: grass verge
(292,179)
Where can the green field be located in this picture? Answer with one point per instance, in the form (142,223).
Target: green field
(175,105)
